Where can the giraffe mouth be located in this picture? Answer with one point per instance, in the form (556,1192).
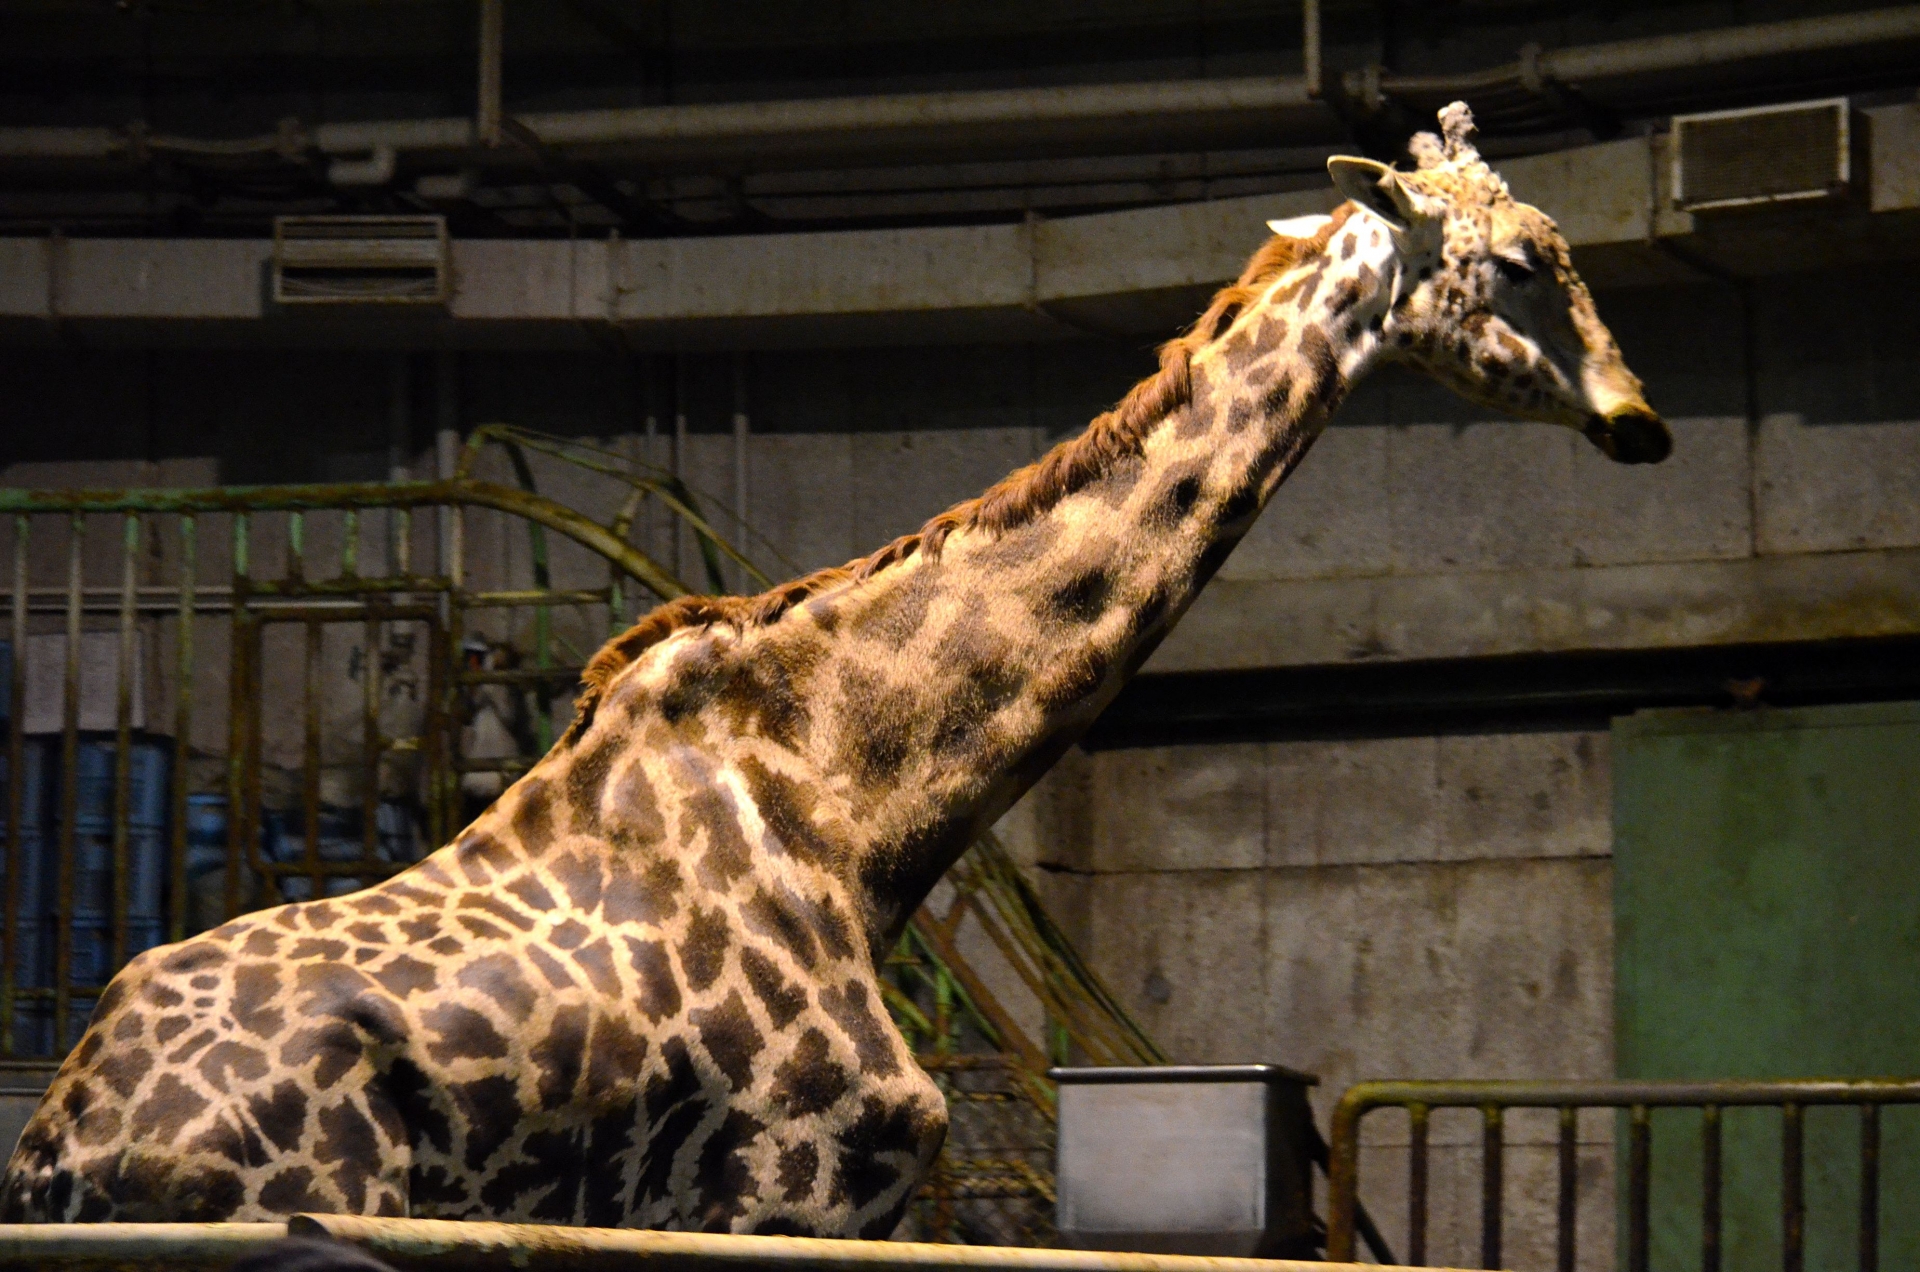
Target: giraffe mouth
(1630,437)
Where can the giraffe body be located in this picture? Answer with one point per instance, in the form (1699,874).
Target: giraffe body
(641,988)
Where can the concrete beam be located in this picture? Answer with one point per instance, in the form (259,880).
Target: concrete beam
(1139,272)
(1812,596)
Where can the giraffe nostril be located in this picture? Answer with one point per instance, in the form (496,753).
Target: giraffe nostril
(1630,437)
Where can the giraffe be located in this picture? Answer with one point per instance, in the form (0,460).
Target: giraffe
(641,988)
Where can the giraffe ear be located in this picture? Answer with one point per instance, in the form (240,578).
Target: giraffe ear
(1377,188)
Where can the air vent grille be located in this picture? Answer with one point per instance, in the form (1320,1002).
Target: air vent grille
(360,260)
(1762,155)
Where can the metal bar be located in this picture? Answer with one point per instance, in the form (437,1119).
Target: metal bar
(350,545)
(10,951)
(486,1246)
(520,676)
(1417,1163)
(310,756)
(1310,46)
(402,541)
(1569,1188)
(1869,1188)
(1793,1208)
(1343,1178)
(488,114)
(1492,1183)
(123,739)
(1626,1094)
(1639,1148)
(371,747)
(575,596)
(182,730)
(240,674)
(460,492)
(742,433)
(437,741)
(297,547)
(1710,1189)
(106,600)
(482,1245)
(69,788)
(343,587)
(335,613)
(192,1247)
(328,869)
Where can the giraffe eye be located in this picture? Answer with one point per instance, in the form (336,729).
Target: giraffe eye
(1514,271)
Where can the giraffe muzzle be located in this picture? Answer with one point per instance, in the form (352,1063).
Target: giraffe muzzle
(1630,437)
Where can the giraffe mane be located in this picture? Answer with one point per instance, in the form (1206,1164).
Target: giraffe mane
(1013,501)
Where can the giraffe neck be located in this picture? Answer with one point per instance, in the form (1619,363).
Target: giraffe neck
(930,696)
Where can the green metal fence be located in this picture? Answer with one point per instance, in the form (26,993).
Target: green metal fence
(1636,1099)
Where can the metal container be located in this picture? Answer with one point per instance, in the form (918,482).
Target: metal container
(1187,1159)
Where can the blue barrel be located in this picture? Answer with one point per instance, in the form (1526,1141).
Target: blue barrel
(146,784)
(93,913)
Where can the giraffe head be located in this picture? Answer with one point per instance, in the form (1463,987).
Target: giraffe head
(1486,299)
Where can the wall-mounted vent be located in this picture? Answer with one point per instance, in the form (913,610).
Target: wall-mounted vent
(1763,155)
(360,260)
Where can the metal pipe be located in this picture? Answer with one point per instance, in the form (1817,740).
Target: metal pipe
(1625,1094)
(376,169)
(440,1243)
(182,729)
(1492,1184)
(1310,48)
(1793,1181)
(10,949)
(1639,1174)
(123,740)
(483,1246)
(493,21)
(240,676)
(1695,49)
(187,1246)
(1569,1188)
(741,432)
(1870,1188)
(1710,1189)
(69,787)
(372,745)
(1416,1184)
(310,759)
(772,129)
(996,117)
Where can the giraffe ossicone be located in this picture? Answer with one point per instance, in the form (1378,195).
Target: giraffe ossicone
(640,989)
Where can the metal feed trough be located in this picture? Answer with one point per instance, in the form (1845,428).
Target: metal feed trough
(435,1245)
(1187,1159)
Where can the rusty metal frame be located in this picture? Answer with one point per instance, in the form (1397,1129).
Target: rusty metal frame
(437,599)
(1792,1098)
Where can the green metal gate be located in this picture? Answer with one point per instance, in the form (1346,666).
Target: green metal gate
(1767,924)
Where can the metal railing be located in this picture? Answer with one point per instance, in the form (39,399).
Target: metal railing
(90,797)
(478,1246)
(1492,1099)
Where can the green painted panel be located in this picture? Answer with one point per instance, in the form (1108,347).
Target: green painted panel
(1767,924)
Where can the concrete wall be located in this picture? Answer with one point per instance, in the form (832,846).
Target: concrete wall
(1401,907)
